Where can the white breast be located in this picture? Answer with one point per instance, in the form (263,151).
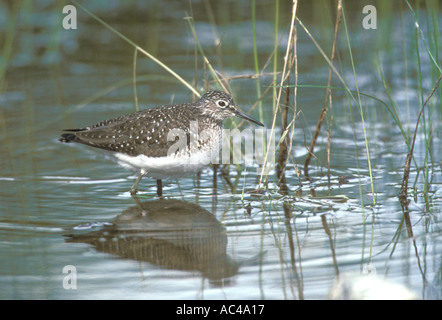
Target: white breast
(171,167)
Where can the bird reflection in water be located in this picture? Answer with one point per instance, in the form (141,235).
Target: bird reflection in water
(172,234)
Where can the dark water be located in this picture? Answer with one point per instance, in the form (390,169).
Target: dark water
(68,206)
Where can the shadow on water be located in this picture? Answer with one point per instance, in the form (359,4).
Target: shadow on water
(171,234)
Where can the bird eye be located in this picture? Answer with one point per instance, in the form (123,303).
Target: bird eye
(221,103)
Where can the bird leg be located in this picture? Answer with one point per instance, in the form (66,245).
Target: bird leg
(159,188)
(133,189)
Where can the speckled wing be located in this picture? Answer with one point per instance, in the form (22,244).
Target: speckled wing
(136,133)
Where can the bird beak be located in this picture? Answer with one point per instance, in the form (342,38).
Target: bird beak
(244,116)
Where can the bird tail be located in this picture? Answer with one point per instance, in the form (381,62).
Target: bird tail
(68,137)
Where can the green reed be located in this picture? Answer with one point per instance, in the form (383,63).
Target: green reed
(415,46)
(430,42)
(139,48)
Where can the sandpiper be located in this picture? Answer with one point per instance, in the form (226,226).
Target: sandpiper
(168,141)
